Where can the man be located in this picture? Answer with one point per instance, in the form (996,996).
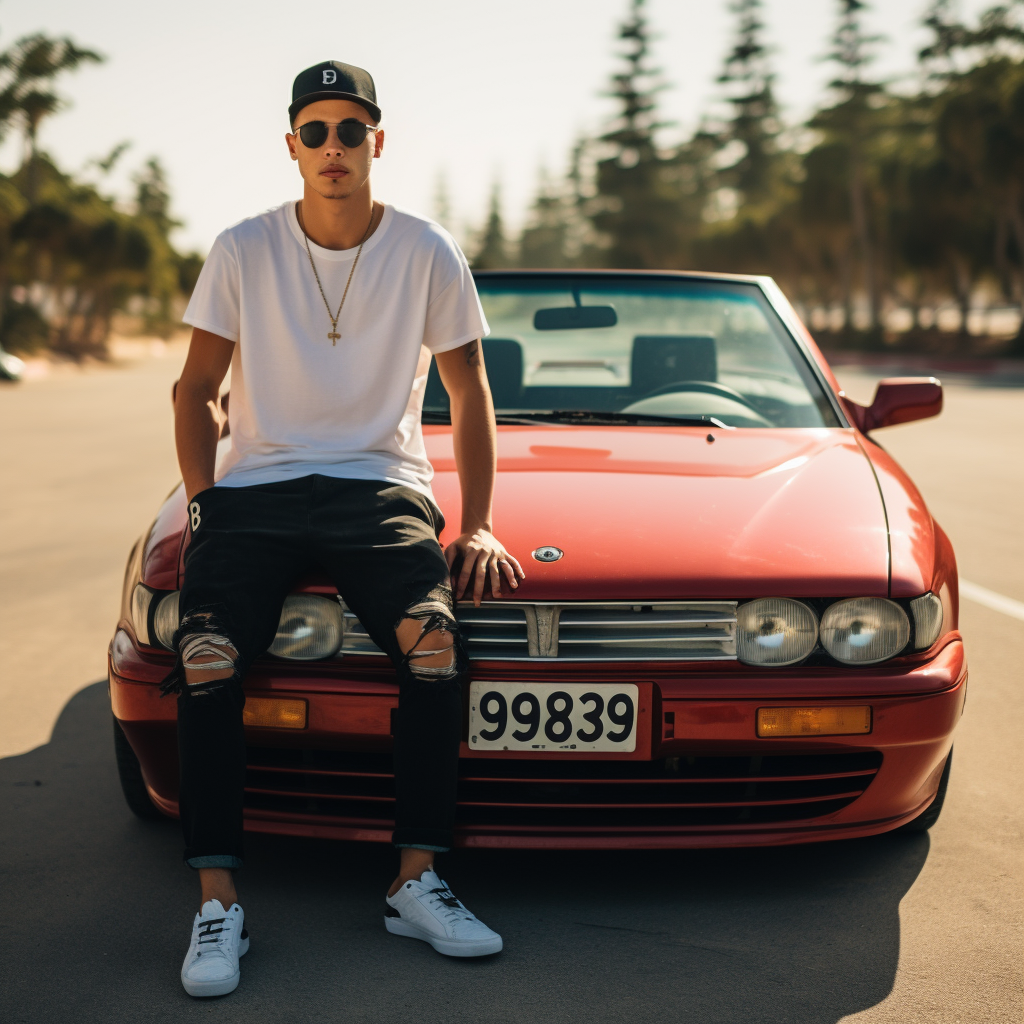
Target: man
(327,311)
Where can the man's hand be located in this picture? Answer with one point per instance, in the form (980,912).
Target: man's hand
(483,557)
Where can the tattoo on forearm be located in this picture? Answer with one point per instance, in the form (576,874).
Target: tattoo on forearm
(473,354)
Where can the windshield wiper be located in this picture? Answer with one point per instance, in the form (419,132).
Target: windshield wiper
(587,417)
(436,416)
(528,419)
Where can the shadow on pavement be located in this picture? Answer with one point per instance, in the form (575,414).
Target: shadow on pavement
(98,907)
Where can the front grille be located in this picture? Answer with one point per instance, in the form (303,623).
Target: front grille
(560,796)
(586,631)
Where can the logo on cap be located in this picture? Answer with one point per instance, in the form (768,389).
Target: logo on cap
(330,77)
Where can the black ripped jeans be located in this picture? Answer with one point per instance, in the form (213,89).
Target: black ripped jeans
(248,545)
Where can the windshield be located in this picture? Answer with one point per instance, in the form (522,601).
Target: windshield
(635,349)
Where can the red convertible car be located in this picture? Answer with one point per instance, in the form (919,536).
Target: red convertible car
(739,628)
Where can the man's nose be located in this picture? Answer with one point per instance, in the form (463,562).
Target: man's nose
(334,143)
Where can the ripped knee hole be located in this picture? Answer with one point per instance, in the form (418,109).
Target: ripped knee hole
(436,638)
(207,652)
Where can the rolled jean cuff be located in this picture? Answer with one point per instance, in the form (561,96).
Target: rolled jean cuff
(436,839)
(220,860)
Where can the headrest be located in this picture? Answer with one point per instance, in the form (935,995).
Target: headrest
(503,360)
(660,359)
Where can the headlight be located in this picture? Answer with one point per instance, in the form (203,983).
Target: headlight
(311,628)
(142,598)
(165,620)
(927,614)
(864,630)
(775,631)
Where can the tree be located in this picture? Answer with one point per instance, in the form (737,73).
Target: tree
(492,252)
(29,69)
(978,114)
(755,125)
(852,125)
(636,208)
(443,203)
(746,175)
(546,239)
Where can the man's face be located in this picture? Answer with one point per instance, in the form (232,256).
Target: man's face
(333,170)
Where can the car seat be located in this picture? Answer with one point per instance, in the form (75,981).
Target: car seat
(660,359)
(503,360)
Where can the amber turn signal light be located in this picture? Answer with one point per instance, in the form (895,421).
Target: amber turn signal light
(273,713)
(835,721)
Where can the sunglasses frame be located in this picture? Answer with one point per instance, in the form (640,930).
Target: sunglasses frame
(370,129)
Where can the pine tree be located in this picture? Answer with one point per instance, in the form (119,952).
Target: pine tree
(754,124)
(443,203)
(492,253)
(853,123)
(545,239)
(636,208)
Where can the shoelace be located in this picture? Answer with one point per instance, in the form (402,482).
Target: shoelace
(445,896)
(209,934)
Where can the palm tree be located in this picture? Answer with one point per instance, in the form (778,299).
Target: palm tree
(29,68)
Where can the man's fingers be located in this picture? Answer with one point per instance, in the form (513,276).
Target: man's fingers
(510,573)
(492,567)
(480,579)
(518,567)
(468,561)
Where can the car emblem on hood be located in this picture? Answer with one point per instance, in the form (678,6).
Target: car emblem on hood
(548,553)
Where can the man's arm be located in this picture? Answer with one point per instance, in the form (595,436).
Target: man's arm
(196,410)
(474,436)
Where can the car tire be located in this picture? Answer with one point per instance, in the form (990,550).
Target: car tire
(930,814)
(129,771)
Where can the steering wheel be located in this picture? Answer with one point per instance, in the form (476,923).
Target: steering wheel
(707,387)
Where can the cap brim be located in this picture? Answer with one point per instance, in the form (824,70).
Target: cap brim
(311,97)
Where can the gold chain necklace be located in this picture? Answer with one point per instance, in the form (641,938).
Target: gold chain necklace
(333,336)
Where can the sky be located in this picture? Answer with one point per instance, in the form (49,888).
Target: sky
(474,91)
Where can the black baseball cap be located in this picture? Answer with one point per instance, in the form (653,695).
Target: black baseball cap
(333,80)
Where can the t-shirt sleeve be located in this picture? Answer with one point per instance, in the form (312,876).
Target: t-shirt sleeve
(214,305)
(454,314)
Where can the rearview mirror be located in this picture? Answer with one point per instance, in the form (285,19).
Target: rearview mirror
(573,318)
(897,400)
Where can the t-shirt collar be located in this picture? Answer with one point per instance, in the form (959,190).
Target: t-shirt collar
(336,255)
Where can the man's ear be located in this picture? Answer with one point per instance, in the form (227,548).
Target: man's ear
(378,144)
(289,141)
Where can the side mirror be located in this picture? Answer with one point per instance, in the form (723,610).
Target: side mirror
(897,400)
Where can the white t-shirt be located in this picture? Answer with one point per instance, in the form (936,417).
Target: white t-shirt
(301,405)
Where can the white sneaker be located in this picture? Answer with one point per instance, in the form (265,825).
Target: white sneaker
(428,910)
(219,938)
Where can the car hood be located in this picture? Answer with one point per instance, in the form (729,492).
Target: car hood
(659,513)
(667,513)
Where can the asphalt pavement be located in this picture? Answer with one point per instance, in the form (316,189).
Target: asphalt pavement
(97,905)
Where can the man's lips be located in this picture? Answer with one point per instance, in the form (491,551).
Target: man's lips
(333,172)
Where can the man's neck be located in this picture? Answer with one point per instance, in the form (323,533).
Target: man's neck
(338,223)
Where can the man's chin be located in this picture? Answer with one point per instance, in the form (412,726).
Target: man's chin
(333,188)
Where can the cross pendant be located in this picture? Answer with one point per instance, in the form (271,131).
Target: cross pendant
(334,336)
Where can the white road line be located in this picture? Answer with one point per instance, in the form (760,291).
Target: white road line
(990,599)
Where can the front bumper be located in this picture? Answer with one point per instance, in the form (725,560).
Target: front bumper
(700,776)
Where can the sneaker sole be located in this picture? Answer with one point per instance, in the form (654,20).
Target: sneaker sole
(206,989)
(449,947)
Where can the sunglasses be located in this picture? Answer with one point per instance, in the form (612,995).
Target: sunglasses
(351,133)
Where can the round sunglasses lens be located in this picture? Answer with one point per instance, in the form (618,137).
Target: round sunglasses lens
(313,134)
(351,133)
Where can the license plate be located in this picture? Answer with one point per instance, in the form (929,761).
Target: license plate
(553,716)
